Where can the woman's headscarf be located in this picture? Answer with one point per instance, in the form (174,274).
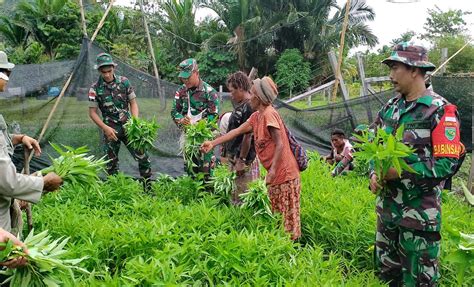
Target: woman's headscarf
(267,90)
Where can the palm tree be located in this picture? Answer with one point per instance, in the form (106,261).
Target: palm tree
(13,31)
(178,24)
(264,26)
(51,22)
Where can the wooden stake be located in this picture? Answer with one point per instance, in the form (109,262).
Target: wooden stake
(341,49)
(83,19)
(152,54)
(101,23)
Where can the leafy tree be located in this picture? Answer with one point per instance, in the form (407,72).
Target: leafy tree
(441,23)
(461,63)
(215,66)
(54,24)
(33,54)
(262,28)
(404,37)
(178,26)
(293,72)
(13,31)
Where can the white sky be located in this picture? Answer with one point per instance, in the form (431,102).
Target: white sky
(393,19)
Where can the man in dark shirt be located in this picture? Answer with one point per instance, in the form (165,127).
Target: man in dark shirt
(241,151)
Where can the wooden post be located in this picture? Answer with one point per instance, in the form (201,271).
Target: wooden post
(345,93)
(364,88)
(26,168)
(152,54)
(253,73)
(444,56)
(337,71)
(83,19)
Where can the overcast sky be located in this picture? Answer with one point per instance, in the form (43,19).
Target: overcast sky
(393,19)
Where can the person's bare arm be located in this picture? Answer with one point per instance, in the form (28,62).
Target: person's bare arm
(243,129)
(277,159)
(134,108)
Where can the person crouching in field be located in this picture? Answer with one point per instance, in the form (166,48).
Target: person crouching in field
(341,153)
(273,150)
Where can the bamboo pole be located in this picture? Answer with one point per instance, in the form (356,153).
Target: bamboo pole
(341,50)
(152,53)
(68,82)
(83,19)
(101,23)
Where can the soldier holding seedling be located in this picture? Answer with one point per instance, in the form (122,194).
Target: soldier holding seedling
(408,206)
(194,100)
(116,99)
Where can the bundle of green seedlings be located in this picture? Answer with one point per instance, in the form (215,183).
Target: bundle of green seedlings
(256,198)
(141,134)
(74,166)
(46,263)
(223,182)
(196,134)
(383,151)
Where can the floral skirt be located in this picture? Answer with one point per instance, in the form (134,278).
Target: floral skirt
(285,198)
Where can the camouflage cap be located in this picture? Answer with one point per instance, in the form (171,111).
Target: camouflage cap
(104,59)
(411,55)
(186,68)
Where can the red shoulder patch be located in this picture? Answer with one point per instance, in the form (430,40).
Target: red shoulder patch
(446,137)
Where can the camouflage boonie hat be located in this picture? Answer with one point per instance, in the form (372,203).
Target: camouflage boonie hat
(186,68)
(104,59)
(411,55)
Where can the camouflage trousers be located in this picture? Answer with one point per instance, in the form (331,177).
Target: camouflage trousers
(112,149)
(204,164)
(406,257)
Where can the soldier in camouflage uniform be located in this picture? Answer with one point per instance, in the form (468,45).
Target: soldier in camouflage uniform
(193,101)
(408,207)
(116,99)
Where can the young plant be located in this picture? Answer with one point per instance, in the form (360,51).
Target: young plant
(196,134)
(257,198)
(46,263)
(223,182)
(463,257)
(384,151)
(141,133)
(74,166)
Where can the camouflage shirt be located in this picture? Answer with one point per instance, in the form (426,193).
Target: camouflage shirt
(202,99)
(414,201)
(112,99)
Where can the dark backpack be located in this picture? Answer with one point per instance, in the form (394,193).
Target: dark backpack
(298,151)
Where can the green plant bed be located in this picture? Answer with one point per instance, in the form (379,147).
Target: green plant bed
(181,235)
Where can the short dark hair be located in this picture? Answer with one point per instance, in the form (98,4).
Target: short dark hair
(6,71)
(338,132)
(239,80)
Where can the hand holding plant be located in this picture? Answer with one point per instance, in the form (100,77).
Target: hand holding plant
(45,264)
(196,135)
(75,166)
(141,133)
(387,154)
